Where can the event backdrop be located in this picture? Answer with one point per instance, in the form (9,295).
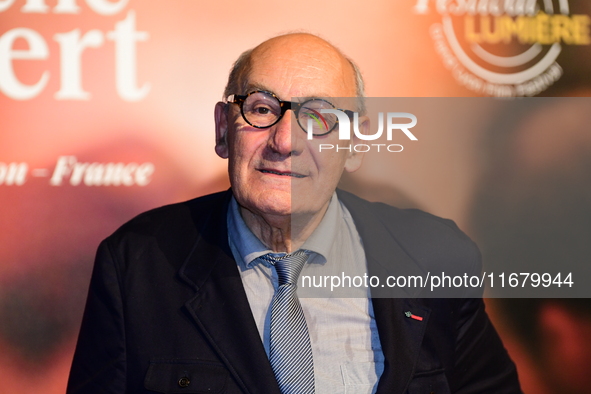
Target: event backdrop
(106,110)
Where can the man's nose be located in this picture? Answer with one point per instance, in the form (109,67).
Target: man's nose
(282,139)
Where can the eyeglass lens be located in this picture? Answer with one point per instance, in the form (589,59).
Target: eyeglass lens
(262,109)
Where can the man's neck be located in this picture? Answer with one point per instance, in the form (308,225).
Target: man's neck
(282,233)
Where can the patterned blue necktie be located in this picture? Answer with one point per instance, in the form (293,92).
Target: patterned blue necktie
(290,352)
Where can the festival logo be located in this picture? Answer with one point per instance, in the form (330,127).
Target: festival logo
(505,48)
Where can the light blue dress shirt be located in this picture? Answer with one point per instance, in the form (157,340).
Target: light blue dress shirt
(346,348)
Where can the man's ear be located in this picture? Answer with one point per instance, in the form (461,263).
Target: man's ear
(221,130)
(356,158)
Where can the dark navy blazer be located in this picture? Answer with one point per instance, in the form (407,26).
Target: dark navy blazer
(167,311)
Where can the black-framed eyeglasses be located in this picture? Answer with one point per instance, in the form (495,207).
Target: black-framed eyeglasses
(262,109)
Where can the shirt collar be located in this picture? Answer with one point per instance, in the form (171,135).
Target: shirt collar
(249,248)
(242,241)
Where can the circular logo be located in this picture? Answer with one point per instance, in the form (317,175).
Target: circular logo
(505,47)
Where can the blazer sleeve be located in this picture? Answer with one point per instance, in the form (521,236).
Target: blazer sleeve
(99,365)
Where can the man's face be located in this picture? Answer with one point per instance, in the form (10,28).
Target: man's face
(276,171)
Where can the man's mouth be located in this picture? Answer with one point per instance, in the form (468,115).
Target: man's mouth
(282,173)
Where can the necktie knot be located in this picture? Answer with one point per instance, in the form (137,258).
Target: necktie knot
(288,267)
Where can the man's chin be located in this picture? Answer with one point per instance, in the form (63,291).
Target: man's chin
(270,204)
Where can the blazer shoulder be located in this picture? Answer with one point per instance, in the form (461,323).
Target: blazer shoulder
(431,241)
(411,220)
(170,231)
(173,218)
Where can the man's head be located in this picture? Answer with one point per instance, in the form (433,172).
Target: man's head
(267,164)
(238,78)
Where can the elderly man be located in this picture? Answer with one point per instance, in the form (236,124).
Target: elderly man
(201,296)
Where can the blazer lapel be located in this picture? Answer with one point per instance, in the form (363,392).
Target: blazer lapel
(400,336)
(220,307)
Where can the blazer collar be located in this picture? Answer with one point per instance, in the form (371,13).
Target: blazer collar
(220,307)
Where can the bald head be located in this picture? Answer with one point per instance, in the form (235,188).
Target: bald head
(269,165)
(302,50)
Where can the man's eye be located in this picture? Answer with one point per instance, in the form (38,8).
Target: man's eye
(262,110)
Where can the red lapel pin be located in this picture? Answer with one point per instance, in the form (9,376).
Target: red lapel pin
(409,314)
